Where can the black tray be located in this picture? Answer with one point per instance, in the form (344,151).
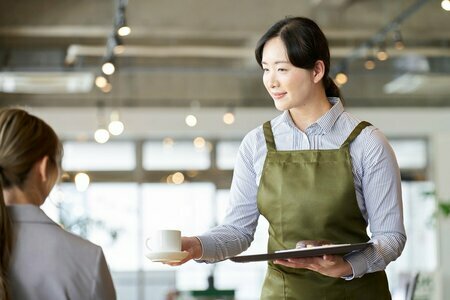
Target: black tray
(304,252)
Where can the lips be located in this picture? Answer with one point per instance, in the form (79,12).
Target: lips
(278,95)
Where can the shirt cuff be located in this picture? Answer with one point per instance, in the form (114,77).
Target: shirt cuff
(358,263)
(208,248)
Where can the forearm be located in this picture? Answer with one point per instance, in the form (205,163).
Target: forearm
(225,241)
(385,249)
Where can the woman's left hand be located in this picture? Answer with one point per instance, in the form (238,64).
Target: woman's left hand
(328,265)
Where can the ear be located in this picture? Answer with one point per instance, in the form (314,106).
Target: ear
(318,71)
(42,165)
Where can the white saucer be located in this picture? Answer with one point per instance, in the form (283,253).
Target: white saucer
(173,256)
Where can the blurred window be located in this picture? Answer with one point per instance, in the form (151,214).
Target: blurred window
(176,155)
(410,153)
(91,156)
(226,154)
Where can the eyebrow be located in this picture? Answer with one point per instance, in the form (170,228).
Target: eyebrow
(277,62)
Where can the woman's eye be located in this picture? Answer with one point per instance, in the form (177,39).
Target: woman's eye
(265,70)
(282,69)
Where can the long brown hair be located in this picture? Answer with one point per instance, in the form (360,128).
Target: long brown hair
(305,44)
(5,247)
(24,139)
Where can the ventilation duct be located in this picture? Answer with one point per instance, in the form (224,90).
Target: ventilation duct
(46,82)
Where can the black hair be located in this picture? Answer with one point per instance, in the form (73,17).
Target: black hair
(305,44)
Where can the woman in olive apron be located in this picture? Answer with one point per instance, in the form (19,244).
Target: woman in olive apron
(307,194)
(315,173)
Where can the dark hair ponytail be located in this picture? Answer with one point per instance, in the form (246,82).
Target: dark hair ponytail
(5,246)
(331,89)
(305,44)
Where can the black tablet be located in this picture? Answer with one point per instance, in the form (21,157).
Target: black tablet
(303,252)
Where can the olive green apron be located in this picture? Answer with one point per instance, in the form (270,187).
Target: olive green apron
(310,195)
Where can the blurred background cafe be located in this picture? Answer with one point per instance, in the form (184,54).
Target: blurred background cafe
(152,98)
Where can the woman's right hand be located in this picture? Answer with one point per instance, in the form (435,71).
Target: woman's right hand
(193,246)
(328,265)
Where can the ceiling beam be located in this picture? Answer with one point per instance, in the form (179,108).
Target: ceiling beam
(82,31)
(75,51)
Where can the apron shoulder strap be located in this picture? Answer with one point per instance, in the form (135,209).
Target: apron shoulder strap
(356,131)
(268,134)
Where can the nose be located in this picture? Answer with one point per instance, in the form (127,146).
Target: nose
(274,84)
(273,81)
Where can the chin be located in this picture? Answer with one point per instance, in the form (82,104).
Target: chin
(281,107)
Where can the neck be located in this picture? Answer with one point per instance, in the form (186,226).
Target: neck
(14,196)
(303,116)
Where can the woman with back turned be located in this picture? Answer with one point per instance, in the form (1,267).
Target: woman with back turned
(39,260)
(315,173)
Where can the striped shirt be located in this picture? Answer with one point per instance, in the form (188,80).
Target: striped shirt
(377,184)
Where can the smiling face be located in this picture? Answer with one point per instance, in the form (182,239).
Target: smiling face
(290,86)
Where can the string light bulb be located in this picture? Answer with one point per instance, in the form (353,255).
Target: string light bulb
(398,40)
(121,22)
(228,117)
(178,178)
(122,28)
(82,181)
(108,68)
(119,47)
(199,142)
(115,126)
(168,143)
(101,135)
(382,54)
(101,81)
(107,88)
(445,4)
(369,64)
(341,78)
(191,120)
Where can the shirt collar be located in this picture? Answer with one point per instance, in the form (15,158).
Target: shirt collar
(325,122)
(28,213)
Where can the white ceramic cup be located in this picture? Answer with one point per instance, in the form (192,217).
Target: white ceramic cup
(164,240)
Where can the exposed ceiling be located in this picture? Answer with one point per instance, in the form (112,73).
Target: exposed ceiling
(182,52)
